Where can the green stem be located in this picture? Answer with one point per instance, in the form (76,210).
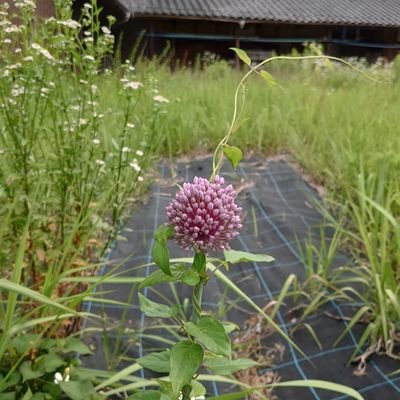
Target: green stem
(219,151)
(197,297)
(186,392)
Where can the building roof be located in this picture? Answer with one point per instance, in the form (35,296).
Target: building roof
(336,12)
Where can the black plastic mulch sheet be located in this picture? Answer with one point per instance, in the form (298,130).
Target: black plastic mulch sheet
(281,212)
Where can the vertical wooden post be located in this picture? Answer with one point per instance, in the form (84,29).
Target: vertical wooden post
(328,48)
(237,61)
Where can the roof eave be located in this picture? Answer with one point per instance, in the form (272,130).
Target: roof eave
(262,21)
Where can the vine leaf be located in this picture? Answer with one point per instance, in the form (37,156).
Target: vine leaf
(235,256)
(158,362)
(268,77)
(153,309)
(211,334)
(186,358)
(242,55)
(225,366)
(233,154)
(159,251)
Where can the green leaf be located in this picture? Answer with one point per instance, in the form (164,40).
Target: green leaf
(23,343)
(8,396)
(146,395)
(77,390)
(233,154)
(165,386)
(75,345)
(39,396)
(157,277)
(242,55)
(199,262)
(225,366)
(11,381)
(50,362)
(233,396)
(335,387)
(198,389)
(230,327)
(28,372)
(190,277)
(153,309)
(211,334)
(235,256)
(164,233)
(268,77)
(186,358)
(160,255)
(158,362)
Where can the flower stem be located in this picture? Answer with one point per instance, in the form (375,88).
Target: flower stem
(197,297)
(186,392)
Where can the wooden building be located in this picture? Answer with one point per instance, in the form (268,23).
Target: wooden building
(368,28)
(44,8)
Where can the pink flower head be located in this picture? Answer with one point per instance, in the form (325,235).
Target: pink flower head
(205,215)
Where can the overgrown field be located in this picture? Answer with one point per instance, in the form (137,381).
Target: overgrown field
(77,138)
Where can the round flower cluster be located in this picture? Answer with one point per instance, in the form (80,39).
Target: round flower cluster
(205,215)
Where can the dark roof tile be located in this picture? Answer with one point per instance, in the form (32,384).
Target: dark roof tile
(345,12)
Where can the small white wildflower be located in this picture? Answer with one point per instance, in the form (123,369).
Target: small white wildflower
(15,66)
(25,4)
(58,378)
(7,41)
(130,126)
(96,141)
(100,162)
(12,29)
(89,58)
(83,121)
(70,23)
(94,88)
(133,85)
(160,99)
(139,153)
(51,84)
(17,91)
(126,149)
(6,73)
(140,178)
(83,82)
(28,58)
(88,6)
(105,30)
(44,90)
(99,116)
(45,53)
(135,166)
(88,39)
(87,33)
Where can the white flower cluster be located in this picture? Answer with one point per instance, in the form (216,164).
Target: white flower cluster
(160,99)
(41,50)
(58,377)
(134,85)
(27,4)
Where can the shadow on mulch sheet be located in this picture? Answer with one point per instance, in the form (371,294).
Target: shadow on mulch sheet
(281,211)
